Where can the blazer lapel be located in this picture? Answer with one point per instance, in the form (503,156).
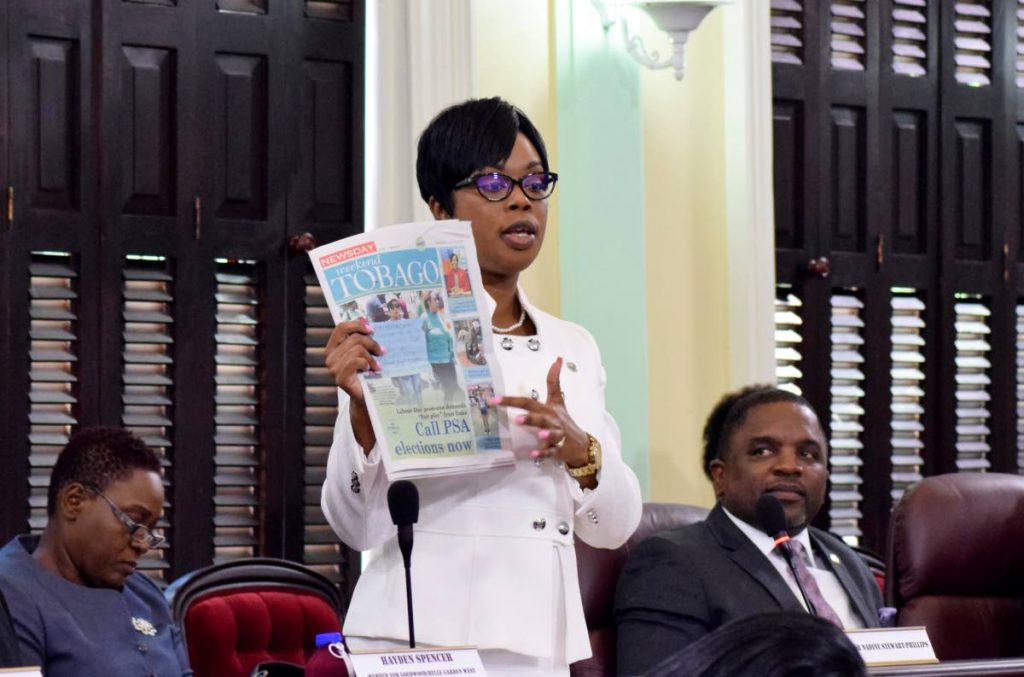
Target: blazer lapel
(750,559)
(835,563)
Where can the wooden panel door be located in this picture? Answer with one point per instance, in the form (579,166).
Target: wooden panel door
(163,156)
(898,159)
(51,294)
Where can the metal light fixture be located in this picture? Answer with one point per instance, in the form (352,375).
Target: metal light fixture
(678,18)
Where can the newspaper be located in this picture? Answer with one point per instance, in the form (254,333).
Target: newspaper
(418,285)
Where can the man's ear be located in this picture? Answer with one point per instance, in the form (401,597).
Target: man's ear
(71,499)
(717,469)
(439,212)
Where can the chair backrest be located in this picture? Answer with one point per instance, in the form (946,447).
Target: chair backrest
(956,557)
(249,611)
(599,571)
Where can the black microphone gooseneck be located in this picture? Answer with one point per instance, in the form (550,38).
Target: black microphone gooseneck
(772,518)
(404,506)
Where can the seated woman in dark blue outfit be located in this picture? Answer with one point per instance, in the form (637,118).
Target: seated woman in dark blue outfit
(79,607)
(9,656)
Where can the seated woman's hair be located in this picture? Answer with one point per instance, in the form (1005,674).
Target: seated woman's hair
(731,411)
(465,137)
(784,644)
(96,457)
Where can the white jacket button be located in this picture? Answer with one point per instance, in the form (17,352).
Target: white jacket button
(563,528)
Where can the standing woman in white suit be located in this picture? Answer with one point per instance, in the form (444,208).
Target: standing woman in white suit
(494,564)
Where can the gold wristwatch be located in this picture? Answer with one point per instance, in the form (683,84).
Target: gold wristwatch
(594,462)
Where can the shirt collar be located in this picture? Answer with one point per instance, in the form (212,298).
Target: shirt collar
(761,540)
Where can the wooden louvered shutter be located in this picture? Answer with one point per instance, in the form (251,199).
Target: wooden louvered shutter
(787,27)
(53,354)
(898,241)
(148,379)
(322,549)
(238,455)
(147,277)
(49,294)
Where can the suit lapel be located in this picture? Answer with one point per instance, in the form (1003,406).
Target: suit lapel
(746,555)
(834,562)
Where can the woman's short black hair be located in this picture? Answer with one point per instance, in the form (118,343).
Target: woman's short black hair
(783,644)
(465,137)
(731,411)
(97,456)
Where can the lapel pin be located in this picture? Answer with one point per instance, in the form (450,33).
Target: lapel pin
(834,557)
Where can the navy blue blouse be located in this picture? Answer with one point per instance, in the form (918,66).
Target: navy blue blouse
(75,631)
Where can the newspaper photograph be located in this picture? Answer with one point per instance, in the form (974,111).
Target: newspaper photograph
(418,286)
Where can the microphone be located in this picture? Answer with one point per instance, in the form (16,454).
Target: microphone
(772,519)
(404,506)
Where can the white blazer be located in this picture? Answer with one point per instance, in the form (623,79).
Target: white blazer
(493,563)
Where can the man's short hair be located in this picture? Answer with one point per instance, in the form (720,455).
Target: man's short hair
(768,645)
(465,137)
(97,456)
(731,411)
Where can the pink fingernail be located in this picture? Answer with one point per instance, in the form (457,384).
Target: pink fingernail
(494,400)
(544,434)
(535,453)
(383,350)
(520,419)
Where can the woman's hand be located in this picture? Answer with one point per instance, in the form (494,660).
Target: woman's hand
(350,350)
(558,436)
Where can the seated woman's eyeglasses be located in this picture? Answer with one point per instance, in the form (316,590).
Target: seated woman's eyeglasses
(495,186)
(138,533)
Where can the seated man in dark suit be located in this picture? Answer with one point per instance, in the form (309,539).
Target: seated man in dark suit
(684,583)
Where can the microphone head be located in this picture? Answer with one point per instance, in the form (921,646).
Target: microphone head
(404,502)
(770,515)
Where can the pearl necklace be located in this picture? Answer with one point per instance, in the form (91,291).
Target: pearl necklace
(512,327)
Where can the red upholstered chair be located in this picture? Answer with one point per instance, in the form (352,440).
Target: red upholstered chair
(956,558)
(245,612)
(599,571)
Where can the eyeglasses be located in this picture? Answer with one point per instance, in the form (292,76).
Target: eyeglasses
(138,533)
(495,186)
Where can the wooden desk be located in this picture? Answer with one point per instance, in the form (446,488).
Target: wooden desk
(1006,667)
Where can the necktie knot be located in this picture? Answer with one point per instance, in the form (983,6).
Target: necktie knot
(800,551)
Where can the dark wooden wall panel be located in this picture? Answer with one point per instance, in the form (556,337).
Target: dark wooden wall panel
(55,166)
(324,134)
(148,135)
(240,107)
(787,136)
(910,178)
(848,178)
(973,189)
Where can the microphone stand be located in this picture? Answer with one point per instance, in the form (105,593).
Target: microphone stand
(408,603)
(783,544)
